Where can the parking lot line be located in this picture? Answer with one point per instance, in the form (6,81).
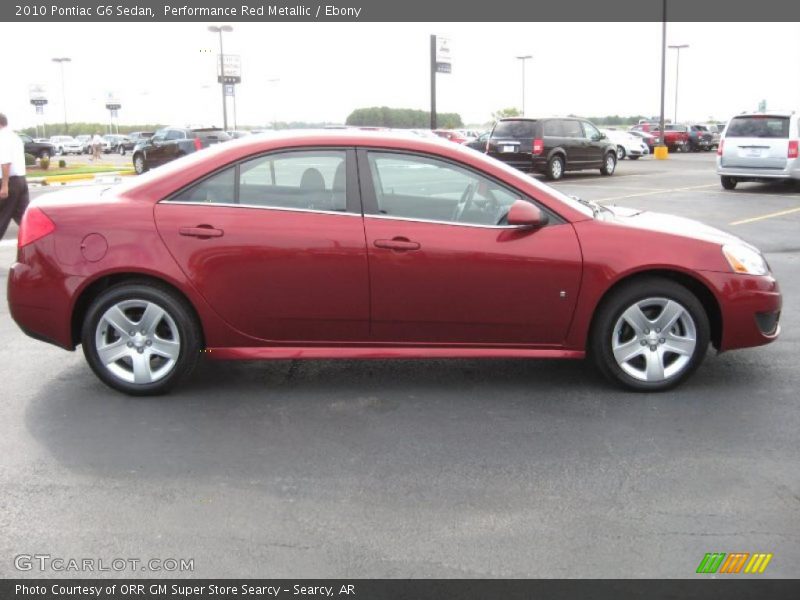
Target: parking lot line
(780,213)
(654,192)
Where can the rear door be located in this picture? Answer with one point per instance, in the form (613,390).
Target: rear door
(512,141)
(756,142)
(275,244)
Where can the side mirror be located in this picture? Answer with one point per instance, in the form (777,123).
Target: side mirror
(525,214)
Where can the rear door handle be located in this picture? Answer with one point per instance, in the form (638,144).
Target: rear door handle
(201,231)
(398,244)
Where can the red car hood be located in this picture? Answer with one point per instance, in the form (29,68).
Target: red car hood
(666,223)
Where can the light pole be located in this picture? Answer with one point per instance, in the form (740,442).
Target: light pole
(677,47)
(523,59)
(219,30)
(61,60)
(660,151)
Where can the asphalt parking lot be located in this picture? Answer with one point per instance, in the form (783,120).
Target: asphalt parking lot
(460,468)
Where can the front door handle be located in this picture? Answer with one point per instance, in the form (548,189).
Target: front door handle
(201,231)
(398,244)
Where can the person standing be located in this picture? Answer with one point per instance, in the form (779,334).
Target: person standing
(97,146)
(14,187)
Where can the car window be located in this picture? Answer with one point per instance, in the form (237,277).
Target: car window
(426,188)
(308,180)
(175,134)
(217,189)
(758,126)
(514,129)
(591,131)
(552,128)
(25,139)
(572,129)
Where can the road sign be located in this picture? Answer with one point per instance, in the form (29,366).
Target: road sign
(232,64)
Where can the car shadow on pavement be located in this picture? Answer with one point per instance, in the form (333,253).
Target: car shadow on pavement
(279,419)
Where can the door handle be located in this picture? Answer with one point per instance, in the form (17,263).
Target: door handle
(398,244)
(201,231)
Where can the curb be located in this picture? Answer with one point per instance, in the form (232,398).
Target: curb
(78,177)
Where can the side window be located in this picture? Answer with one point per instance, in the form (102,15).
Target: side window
(552,128)
(429,189)
(217,189)
(309,180)
(174,134)
(572,129)
(591,131)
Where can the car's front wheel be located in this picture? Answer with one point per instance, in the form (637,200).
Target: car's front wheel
(728,183)
(140,338)
(650,335)
(609,164)
(139,164)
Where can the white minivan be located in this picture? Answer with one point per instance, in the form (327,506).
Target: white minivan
(759,147)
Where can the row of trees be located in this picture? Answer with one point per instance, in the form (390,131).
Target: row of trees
(401,118)
(88,129)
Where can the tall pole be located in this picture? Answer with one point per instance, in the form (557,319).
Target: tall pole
(222,74)
(234,106)
(678,48)
(61,61)
(433,81)
(663,69)
(523,59)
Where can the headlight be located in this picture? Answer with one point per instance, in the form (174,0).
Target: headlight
(743,259)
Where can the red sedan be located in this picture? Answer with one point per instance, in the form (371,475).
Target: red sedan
(373,245)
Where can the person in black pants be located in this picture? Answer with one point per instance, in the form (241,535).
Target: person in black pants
(14,187)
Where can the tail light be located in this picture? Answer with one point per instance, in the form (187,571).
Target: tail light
(34,226)
(198,145)
(538,147)
(793,150)
(720,147)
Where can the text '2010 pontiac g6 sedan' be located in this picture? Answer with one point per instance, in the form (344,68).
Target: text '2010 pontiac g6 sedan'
(374,245)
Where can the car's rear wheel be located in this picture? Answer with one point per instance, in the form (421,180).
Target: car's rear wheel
(139,164)
(650,335)
(140,338)
(728,183)
(555,168)
(609,164)
(620,153)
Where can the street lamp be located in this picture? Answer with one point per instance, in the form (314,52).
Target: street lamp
(61,61)
(677,47)
(219,30)
(523,59)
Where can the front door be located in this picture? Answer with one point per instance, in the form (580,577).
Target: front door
(276,246)
(445,269)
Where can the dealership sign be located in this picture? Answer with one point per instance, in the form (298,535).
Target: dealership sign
(232,67)
(443,55)
(38,96)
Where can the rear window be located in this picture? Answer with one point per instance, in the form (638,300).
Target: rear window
(212,136)
(515,129)
(758,126)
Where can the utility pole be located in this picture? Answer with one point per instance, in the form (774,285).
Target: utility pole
(677,47)
(661,151)
(433,81)
(61,61)
(523,59)
(219,30)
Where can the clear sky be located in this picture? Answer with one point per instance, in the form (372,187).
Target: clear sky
(166,72)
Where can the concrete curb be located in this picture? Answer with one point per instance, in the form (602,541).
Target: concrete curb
(49,180)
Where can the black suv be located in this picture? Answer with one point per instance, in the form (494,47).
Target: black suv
(171,143)
(38,149)
(552,146)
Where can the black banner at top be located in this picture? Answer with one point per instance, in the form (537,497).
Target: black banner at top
(400,10)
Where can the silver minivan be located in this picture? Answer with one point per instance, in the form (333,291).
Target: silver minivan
(759,147)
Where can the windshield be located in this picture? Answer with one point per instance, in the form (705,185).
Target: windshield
(759,126)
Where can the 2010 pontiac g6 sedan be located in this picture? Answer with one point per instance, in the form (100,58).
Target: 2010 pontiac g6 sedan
(340,245)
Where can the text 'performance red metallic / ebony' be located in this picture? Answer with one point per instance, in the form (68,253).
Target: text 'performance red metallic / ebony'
(375,245)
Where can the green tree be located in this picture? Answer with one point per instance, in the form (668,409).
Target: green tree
(505,113)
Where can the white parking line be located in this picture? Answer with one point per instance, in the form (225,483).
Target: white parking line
(8,242)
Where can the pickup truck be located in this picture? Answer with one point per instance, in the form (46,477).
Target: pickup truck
(676,137)
(171,143)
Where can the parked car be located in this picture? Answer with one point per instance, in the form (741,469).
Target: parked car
(36,148)
(479,143)
(647,138)
(114,143)
(676,137)
(715,131)
(628,145)
(66,144)
(451,134)
(258,250)
(134,138)
(236,134)
(86,143)
(173,142)
(759,147)
(700,138)
(552,146)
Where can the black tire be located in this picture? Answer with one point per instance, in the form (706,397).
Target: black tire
(555,168)
(728,183)
(620,153)
(188,328)
(139,164)
(609,164)
(610,311)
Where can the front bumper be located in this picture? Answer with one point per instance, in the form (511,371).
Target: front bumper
(750,307)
